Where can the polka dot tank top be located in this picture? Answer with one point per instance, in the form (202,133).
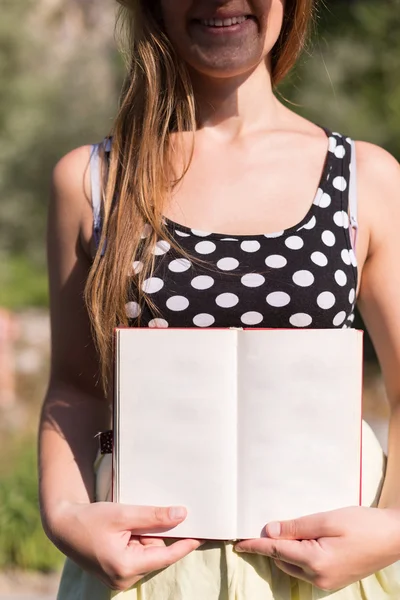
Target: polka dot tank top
(304,276)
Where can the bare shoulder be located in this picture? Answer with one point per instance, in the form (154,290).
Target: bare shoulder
(71,175)
(71,207)
(378,189)
(377,168)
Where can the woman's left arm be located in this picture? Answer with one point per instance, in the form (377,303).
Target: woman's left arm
(334,549)
(379,296)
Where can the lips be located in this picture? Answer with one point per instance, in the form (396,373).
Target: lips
(224,22)
(223,26)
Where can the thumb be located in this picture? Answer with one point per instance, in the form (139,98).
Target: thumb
(151,519)
(311,527)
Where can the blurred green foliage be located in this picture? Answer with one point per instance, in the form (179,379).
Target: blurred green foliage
(23,283)
(351,83)
(59,82)
(22,541)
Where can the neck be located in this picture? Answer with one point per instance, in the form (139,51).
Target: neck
(236,106)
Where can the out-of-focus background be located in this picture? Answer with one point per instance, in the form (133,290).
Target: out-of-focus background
(60,76)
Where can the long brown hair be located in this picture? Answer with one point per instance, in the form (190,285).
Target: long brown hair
(157,98)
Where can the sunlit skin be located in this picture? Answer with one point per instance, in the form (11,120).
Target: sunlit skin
(255,168)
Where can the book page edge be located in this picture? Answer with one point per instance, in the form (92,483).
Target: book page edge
(116,415)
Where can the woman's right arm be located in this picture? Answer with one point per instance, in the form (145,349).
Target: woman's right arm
(103,538)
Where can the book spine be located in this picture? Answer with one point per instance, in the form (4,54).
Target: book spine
(361,419)
(238,332)
(115,456)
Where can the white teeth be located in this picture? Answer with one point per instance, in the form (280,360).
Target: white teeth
(223,22)
(238,20)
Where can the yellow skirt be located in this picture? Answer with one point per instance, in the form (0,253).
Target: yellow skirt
(216,572)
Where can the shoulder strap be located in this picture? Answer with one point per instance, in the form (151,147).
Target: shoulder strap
(95,174)
(95,178)
(353,199)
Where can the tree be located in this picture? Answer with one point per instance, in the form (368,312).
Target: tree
(58,90)
(351,81)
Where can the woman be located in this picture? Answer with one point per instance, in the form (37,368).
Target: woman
(201,144)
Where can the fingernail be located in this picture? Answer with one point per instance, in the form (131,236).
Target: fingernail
(274,530)
(177,513)
(239,549)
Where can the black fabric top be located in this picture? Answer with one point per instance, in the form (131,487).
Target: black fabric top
(304,276)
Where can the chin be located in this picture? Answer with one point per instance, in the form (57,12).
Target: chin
(225,73)
(225,67)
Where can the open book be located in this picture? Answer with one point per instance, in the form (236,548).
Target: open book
(243,427)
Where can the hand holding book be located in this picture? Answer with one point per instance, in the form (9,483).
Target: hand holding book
(106,540)
(334,549)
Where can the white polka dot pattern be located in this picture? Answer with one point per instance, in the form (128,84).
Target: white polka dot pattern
(161,248)
(228,264)
(250,246)
(137,267)
(318,196)
(202,282)
(275,235)
(132,310)
(325,201)
(346,258)
(147,229)
(340,183)
(253,280)
(227,300)
(328,238)
(278,299)
(275,261)
(340,151)
(294,242)
(326,300)
(205,247)
(300,320)
(353,258)
(341,278)
(177,303)
(158,324)
(332,143)
(203,320)
(179,265)
(319,258)
(251,318)
(341,219)
(153,285)
(339,319)
(200,233)
(310,225)
(304,276)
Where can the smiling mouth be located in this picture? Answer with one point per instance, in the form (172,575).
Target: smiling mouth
(229,22)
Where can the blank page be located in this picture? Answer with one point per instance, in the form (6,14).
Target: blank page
(175,424)
(299,420)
